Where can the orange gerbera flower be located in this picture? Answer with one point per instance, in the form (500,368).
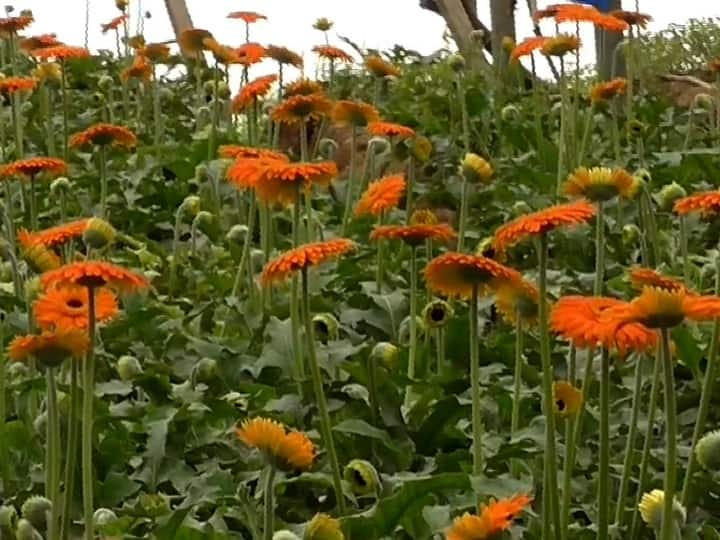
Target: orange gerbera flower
(293,450)
(236,151)
(584,321)
(262,433)
(61,53)
(54,236)
(647,277)
(576,13)
(250,53)
(537,223)
(296,452)
(15,24)
(283,55)
(414,234)
(527,47)
(50,348)
(39,258)
(607,90)
(31,167)
(31,43)
(457,274)
(280,182)
(303,257)
(354,113)
(546,13)
(381,68)
(601,183)
(633,18)
(139,69)
(518,299)
(10,85)
(663,308)
(303,87)
(155,52)
(67,308)
(493,518)
(114,24)
(104,134)
(390,129)
(252,91)
(192,40)
(94,274)
(611,23)
(300,108)
(381,196)
(221,53)
(560,45)
(707,203)
(246,172)
(248,17)
(332,53)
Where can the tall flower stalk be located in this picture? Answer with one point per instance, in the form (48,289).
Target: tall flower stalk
(87,422)
(667,531)
(269,503)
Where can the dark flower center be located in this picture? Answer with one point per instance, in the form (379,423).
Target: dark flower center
(75,303)
(560,404)
(437,314)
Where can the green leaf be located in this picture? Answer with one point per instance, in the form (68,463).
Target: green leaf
(355,426)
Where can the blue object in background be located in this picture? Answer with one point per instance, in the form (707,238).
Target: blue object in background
(602,5)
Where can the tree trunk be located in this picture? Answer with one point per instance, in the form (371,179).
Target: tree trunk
(461,26)
(605,45)
(179,17)
(502,14)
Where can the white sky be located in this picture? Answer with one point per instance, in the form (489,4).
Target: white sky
(370,23)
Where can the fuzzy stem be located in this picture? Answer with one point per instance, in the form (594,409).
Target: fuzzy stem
(305,157)
(409,188)
(212,139)
(269,503)
(102,166)
(157,111)
(175,251)
(380,269)
(599,249)
(53,450)
(4,463)
(45,104)
(667,530)
(684,249)
(33,205)
(517,387)
(18,125)
(412,352)
(373,389)
(87,421)
(245,257)
(630,445)
(295,319)
(65,106)
(562,151)
(440,346)
(587,131)
(604,470)
(477,427)
(551,514)
(71,450)
(325,424)
(350,182)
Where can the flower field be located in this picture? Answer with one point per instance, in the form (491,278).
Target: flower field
(403,298)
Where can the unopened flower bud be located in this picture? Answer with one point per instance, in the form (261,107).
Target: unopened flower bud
(223,90)
(486,247)
(153,505)
(703,101)
(257,260)
(48,72)
(669,194)
(508,44)
(190,206)
(404,332)
(637,128)
(644,176)
(520,208)
(40,259)
(362,477)
(285,535)
(237,234)
(99,233)
(106,83)
(104,516)
(509,112)
(206,370)
(476,169)
(326,327)
(708,451)
(27,107)
(128,367)
(204,221)
(60,186)
(324,527)
(33,288)
(323,24)
(630,234)
(421,148)
(36,509)
(17,371)
(8,517)
(437,313)
(386,353)
(456,62)
(25,531)
(40,423)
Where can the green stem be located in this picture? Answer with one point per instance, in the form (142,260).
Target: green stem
(45,103)
(157,111)
(18,125)
(599,250)
(245,257)
(325,424)
(684,249)
(409,189)
(53,449)
(4,463)
(87,421)
(563,130)
(667,529)
(705,399)
(604,470)
(440,346)
(305,157)
(71,452)
(350,182)
(464,203)
(380,269)
(33,205)
(517,387)
(551,514)
(373,389)
(102,165)
(477,426)
(587,130)
(269,503)
(295,320)
(65,106)
(212,139)
(175,251)
(464,117)
(412,352)
(629,445)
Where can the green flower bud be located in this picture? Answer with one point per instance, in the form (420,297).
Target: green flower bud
(404,332)
(128,367)
(33,288)
(476,169)
(708,451)
(36,510)
(421,148)
(17,371)
(362,477)
(703,101)
(60,186)
(40,423)
(8,517)
(190,206)
(237,234)
(106,83)
(257,260)
(285,535)
(644,175)
(637,128)
(486,247)
(223,90)
(326,327)
(208,87)
(99,233)
(437,313)
(509,113)
(630,234)
(153,505)
(203,221)
(520,208)
(203,116)
(25,531)
(386,353)
(323,527)
(669,194)
(456,62)
(26,108)
(323,24)
(104,516)
(5,249)
(206,370)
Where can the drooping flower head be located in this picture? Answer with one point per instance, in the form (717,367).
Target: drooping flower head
(31,167)
(390,129)
(283,55)
(632,18)
(193,40)
(601,184)
(38,257)
(332,53)
(300,108)
(94,274)
(293,450)
(324,527)
(246,172)
(706,203)
(221,53)
(415,233)
(354,113)
(492,519)
(253,91)
(155,52)
(518,300)
(560,45)
(378,67)
(67,308)
(303,257)
(11,85)
(605,91)
(576,13)
(104,134)
(583,321)
(542,222)
(53,236)
(303,87)
(381,196)
(457,274)
(61,53)
(527,47)
(280,182)
(476,169)
(50,348)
